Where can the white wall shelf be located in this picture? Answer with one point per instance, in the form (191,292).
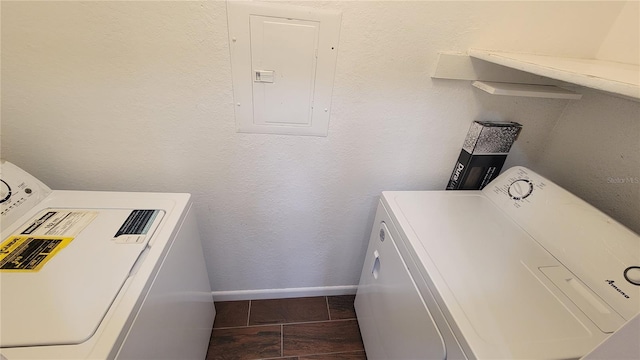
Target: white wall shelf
(616,78)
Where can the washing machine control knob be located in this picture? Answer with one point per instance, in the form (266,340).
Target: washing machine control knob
(520,189)
(632,274)
(5,191)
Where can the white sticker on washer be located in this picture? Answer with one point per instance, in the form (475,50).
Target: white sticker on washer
(56,222)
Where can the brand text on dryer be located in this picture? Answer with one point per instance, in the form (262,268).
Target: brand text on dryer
(611,282)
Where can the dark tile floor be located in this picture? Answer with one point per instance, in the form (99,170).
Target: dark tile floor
(312,328)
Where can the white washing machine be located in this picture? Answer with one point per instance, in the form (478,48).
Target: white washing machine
(520,270)
(100,275)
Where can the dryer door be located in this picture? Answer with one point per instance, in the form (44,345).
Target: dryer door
(394,320)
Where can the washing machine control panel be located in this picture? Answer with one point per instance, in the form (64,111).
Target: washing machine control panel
(19,192)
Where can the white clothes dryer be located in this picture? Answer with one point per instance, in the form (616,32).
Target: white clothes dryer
(520,270)
(100,275)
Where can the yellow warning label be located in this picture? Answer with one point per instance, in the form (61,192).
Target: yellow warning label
(29,253)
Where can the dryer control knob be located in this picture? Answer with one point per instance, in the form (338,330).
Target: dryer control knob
(632,274)
(520,189)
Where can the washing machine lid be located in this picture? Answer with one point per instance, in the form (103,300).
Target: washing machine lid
(505,293)
(62,269)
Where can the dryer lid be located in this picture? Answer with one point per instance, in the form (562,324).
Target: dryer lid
(63,299)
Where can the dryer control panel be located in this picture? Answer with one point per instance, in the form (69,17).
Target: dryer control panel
(599,251)
(19,193)
(516,187)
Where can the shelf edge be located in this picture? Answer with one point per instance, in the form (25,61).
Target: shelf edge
(516,61)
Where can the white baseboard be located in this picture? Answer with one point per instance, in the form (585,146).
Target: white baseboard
(284,293)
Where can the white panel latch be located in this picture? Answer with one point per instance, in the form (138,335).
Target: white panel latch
(263,76)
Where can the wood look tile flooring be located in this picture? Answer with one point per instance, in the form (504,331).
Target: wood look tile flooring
(312,328)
